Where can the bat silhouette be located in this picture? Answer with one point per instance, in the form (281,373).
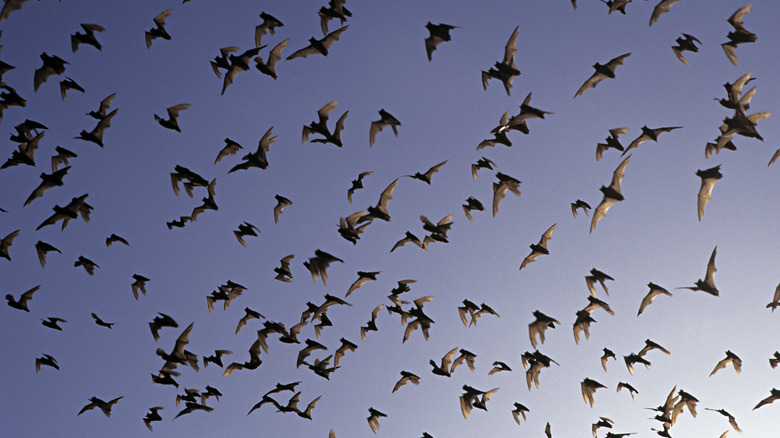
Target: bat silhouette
(602,72)
(438,33)
(612,194)
(506,70)
(158,31)
(318,47)
(88,37)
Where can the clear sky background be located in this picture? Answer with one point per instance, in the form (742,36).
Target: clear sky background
(654,235)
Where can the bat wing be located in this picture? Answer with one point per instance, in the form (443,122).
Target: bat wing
(174,111)
(276,55)
(435,169)
(530,258)
(499,193)
(705,194)
(661,8)
(709,278)
(387,195)
(591,82)
(601,211)
(728,49)
(736,18)
(304,52)
(159,20)
(678,53)
(546,236)
(615,62)
(333,37)
(511,48)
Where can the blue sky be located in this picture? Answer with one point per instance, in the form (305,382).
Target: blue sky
(379,62)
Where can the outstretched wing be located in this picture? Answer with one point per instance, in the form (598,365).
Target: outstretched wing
(709,278)
(617,176)
(387,195)
(590,83)
(333,37)
(510,49)
(601,211)
(546,236)
(705,194)
(661,8)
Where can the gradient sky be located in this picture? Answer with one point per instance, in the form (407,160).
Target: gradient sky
(654,235)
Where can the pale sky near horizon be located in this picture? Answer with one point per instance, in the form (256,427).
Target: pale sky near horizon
(379,62)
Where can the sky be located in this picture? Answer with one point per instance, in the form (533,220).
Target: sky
(379,62)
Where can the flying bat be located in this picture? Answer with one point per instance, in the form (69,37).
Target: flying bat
(10,6)
(102,111)
(612,142)
(335,9)
(158,31)
(599,277)
(426,177)
(648,134)
(438,33)
(406,377)
(104,406)
(708,284)
(685,43)
(539,325)
(245,229)
(506,70)
(5,244)
(589,387)
(655,290)
(602,72)
(320,126)
(379,211)
(482,163)
(172,122)
(319,263)
(139,285)
(53,323)
(113,238)
(69,84)
(774,394)
(45,360)
(230,148)
(52,65)
(96,135)
(730,359)
(579,204)
(739,35)
(385,119)
(357,184)
(708,179)
(100,322)
(88,37)
(269,67)
(281,203)
(269,24)
(87,264)
(505,182)
(472,204)
(612,194)
(775,300)
(237,65)
(48,181)
(25,298)
(616,5)
(258,158)
(318,47)
(539,248)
